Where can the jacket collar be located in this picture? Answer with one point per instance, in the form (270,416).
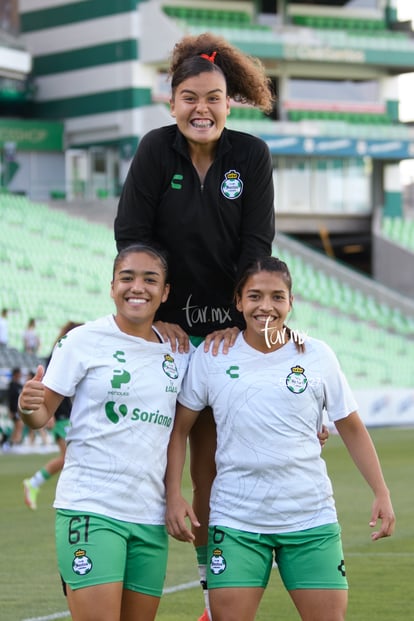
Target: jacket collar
(180,144)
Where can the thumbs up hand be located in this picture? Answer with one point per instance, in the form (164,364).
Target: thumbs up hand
(39,374)
(33,392)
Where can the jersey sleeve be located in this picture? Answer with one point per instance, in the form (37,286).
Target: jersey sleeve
(134,222)
(339,400)
(68,363)
(258,224)
(194,390)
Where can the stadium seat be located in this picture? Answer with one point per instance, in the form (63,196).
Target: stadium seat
(399,230)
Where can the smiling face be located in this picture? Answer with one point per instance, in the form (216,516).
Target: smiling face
(200,106)
(265,302)
(138,288)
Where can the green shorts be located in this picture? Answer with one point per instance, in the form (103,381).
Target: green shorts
(61,428)
(93,549)
(308,559)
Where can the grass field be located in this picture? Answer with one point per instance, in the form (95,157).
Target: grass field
(380,574)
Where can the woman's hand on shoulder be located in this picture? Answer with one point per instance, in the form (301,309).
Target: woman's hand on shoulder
(175,335)
(226,337)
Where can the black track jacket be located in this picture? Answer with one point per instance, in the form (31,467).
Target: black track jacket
(210,232)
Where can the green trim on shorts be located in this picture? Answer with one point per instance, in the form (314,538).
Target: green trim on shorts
(93,549)
(61,428)
(308,559)
(197,340)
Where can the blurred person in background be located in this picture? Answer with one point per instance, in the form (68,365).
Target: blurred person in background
(4,332)
(31,341)
(14,389)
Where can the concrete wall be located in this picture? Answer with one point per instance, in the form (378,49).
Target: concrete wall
(38,174)
(392,264)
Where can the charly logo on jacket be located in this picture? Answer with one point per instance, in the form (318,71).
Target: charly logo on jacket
(232,185)
(176,181)
(297,381)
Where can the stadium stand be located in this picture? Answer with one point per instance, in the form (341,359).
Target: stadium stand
(212,18)
(57,267)
(399,230)
(54,267)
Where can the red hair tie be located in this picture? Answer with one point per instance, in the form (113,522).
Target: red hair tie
(210,58)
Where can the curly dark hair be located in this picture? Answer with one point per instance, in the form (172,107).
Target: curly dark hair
(245,75)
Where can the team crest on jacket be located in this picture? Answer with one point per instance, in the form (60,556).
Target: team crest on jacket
(297,381)
(232,185)
(169,367)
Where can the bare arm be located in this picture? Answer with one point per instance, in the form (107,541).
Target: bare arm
(39,400)
(361,448)
(178,509)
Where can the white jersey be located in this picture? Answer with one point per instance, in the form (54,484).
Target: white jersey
(268,408)
(123,411)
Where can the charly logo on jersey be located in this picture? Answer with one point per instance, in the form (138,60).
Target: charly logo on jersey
(297,381)
(169,367)
(119,355)
(217,562)
(232,371)
(232,185)
(81,564)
